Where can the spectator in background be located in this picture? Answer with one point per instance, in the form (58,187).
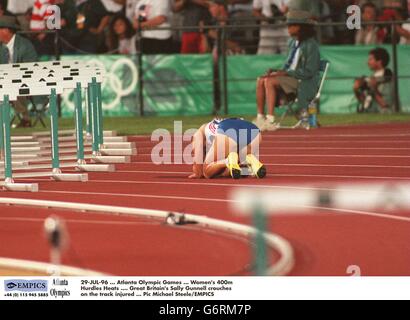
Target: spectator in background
(3,9)
(271,39)
(219,14)
(130,8)
(239,6)
(195,14)
(113,6)
(375,93)
(121,38)
(403,30)
(327,32)
(16,49)
(19,8)
(43,42)
(79,2)
(368,34)
(240,16)
(150,14)
(391,12)
(92,20)
(68,30)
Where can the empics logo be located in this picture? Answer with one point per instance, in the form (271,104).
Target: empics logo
(11,285)
(26,285)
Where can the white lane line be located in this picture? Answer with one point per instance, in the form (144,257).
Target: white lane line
(28,175)
(290,155)
(313,140)
(333,148)
(308,148)
(136,195)
(337,176)
(305,141)
(364,213)
(304,165)
(310,136)
(274,175)
(106,222)
(206,183)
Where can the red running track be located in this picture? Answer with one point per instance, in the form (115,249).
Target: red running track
(325,242)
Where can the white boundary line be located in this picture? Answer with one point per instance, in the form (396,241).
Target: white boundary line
(205,183)
(312,139)
(274,175)
(307,148)
(274,135)
(74,221)
(372,214)
(44,268)
(305,165)
(334,148)
(290,155)
(282,267)
(364,213)
(73,165)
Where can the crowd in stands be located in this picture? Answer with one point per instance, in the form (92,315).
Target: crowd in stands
(112,26)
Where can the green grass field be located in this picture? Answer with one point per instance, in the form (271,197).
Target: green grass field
(146,125)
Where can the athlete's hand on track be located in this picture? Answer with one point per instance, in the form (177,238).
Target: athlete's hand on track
(195,176)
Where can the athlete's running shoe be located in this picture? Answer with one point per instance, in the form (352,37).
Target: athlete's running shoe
(255,166)
(233,165)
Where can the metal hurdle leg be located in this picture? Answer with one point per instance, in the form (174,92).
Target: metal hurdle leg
(82,165)
(97,133)
(54,133)
(57,175)
(94,119)
(89,112)
(79,125)
(9,183)
(100,116)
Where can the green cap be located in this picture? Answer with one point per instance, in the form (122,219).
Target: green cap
(9,22)
(299,17)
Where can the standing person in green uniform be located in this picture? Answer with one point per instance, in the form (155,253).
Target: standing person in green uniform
(16,49)
(299,75)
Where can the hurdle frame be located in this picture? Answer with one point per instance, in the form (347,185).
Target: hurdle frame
(5,72)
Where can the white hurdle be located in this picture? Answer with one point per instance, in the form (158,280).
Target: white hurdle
(51,79)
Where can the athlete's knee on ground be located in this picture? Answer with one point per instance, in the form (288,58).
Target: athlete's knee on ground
(207,171)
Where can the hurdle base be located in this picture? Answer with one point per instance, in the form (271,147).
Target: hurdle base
(20,187)
(115,139)
(111,159)
(119,145)
(298,125)
(96,167)
(119,152)
(71,177)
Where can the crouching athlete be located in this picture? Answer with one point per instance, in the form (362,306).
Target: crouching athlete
(221,146)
